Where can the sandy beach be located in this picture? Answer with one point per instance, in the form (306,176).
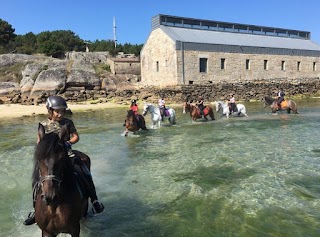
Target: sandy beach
(18,110)
(8,111)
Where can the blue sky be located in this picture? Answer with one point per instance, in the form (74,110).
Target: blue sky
(93,20)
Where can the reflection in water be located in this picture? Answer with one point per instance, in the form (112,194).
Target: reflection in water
(255,176)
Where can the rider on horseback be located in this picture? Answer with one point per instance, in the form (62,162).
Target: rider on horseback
(280,98)
(232,103)
(162,107)
(200,104)
(134,107)
(57,106)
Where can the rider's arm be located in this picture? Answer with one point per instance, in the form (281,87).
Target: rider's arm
(74,137)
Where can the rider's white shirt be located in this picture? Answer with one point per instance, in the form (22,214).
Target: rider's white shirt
(161,103)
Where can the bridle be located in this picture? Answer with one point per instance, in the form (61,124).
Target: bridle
(50,178)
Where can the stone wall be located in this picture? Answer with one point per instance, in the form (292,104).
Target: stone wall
(159,60)
(235,67)
(247,91)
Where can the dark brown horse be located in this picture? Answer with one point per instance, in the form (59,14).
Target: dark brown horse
(288,105)
(133,124)
(59,206)
(195,112)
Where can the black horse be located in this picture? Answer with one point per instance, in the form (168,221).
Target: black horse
(59,206)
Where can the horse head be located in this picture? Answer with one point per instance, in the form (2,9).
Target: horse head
(131,119)
(146,108)
(218,105)
(267,100)
(51,157)
(186,107)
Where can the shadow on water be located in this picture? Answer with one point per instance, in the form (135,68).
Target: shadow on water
(211,177)
(307,187)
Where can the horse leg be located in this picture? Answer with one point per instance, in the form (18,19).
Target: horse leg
(46,234)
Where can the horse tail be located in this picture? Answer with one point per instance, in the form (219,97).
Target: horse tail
(293,106)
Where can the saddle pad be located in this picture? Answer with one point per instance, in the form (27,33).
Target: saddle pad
(284,104)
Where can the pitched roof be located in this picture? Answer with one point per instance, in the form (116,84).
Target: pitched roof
(237,39)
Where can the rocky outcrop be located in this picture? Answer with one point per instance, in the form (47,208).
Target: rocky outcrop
(74,77)
(11,59)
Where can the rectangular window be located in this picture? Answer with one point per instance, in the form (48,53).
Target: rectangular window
(314,66)
(157,66)
(223,63)
(298,66)
(283,65)
(265,65)
(203,63)
(247,64)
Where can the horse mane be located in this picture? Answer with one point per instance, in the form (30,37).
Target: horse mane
(46,146)
(130,113)
(269,99)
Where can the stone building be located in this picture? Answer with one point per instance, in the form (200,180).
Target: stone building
(125,65)
(184,51)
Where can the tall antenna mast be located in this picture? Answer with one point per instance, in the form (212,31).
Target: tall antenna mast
(114,32)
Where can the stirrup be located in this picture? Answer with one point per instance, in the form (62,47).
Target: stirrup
(31,218)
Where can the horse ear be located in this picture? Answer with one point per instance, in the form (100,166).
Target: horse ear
(63,132)
(41,131)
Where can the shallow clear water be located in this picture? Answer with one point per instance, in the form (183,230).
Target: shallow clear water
(255,176)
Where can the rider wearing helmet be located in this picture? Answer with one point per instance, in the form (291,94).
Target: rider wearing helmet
(134,107)
(57,106)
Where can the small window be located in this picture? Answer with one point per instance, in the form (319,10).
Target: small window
(203,64)
(314,66)
(298,66)
(190,82)
(247,64)
(283,65)
(157,66)
(223,63)
(265,65)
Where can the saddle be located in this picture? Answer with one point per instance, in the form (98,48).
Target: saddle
(166,112)
(233,107)
(205,111)
(283,104)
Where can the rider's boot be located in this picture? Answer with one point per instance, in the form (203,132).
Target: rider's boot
(31,218)
(91,190)
(97,206)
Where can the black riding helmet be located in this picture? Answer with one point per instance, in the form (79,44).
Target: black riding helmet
(56,102)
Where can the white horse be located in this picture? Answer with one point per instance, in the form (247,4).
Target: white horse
(156,115)
(226,111)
